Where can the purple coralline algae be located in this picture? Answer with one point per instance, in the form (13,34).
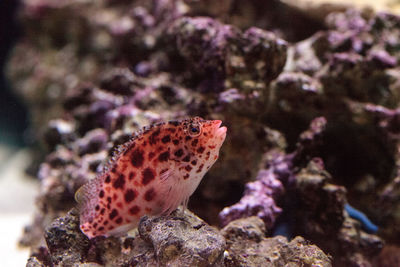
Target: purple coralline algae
(258,200)
(233,57)
(259,197)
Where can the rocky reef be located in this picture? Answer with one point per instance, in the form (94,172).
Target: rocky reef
(311,107)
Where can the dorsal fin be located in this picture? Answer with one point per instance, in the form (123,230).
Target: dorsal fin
(90,188)
(119,150)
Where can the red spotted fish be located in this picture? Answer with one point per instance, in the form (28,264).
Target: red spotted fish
(154,173)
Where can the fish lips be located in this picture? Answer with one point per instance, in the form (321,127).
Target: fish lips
(220,131)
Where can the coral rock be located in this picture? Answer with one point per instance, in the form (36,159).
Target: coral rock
(183,241)
(248,246)
(258,200)
(65,241)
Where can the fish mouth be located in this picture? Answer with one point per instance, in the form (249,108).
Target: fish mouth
(221,131)
(217,123)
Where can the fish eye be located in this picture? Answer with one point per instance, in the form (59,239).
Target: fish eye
(194,130)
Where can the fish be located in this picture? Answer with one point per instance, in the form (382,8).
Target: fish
(152,174)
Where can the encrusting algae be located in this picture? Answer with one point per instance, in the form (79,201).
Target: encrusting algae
(154,172)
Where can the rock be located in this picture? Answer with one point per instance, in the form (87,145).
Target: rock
(232,55)
(119,81)
(183,241)
(260,196)
(289,87)
(348,242)
(66,243)
(58,132)
(311,182)
(389,256)
(33,262)
(251,228)
(248,54)
(248,246)
(40,257)
(356,246)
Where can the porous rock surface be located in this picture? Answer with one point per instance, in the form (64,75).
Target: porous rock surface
(248,246)
(181,239)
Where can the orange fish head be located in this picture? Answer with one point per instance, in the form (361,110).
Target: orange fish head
(203,134)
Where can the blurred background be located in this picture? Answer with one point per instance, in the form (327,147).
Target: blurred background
(17,188)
